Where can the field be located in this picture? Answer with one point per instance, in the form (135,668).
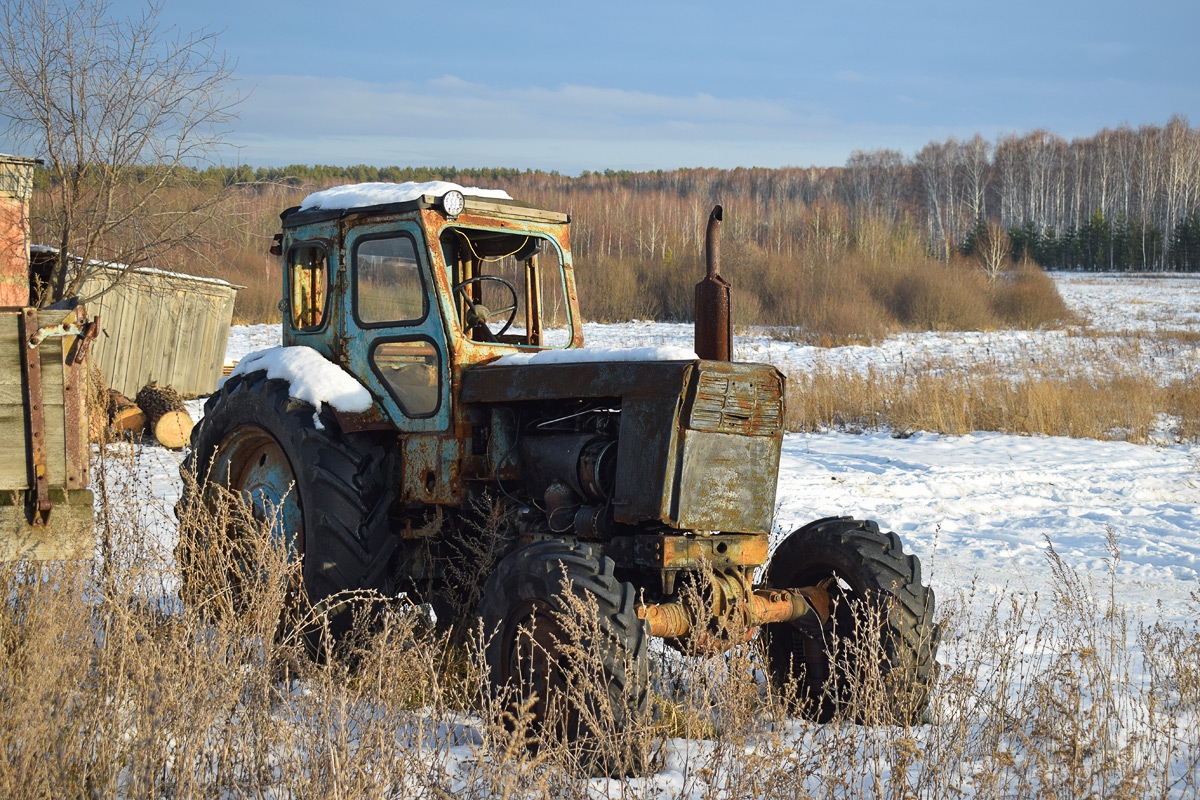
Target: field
(1067,571)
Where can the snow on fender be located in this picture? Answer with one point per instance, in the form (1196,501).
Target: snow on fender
(311,378)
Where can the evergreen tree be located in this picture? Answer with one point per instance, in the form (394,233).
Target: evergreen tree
(1185,244)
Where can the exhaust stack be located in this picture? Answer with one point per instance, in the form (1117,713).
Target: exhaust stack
(714,328)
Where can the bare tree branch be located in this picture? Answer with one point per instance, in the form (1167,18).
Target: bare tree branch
(123,112)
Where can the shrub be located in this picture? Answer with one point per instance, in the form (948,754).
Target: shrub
(1027,298)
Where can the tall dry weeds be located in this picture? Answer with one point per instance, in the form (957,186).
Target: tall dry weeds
(1096,390)
(114,688)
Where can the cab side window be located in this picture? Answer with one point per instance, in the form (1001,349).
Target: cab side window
(308,282)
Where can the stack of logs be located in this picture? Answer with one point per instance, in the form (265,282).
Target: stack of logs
(157,410)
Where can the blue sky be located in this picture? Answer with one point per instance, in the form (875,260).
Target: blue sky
(646,85)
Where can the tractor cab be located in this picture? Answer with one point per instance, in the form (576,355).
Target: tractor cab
(407,294)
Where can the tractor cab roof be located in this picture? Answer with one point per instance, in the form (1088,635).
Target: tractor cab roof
(393,198)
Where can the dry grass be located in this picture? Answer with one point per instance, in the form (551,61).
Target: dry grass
(110,687)
(1066,697)
(1095,387)
(1123,408)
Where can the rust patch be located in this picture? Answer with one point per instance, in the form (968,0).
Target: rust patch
(88,330)
(31,364)
(666,620)
(722,550)
(734,608)
(714,325)
(750,405)
(675,552)
(75,383)
(431,470)
(373,419)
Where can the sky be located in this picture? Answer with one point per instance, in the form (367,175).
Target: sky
(575,86)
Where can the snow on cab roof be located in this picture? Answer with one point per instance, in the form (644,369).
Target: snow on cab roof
(354,195)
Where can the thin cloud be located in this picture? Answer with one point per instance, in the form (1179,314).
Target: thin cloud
(571,127)
(567,110)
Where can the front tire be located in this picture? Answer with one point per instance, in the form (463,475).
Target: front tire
(590,677)
(328,492)
(881,625)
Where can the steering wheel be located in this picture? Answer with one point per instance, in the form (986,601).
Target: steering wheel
(478,315)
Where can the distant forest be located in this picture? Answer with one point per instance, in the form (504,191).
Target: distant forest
(1123,199)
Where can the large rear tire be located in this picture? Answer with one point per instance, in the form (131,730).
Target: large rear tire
(328,492)
(590,678)
(881,627)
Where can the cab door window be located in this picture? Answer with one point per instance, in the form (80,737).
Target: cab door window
(388,287)
(411,370)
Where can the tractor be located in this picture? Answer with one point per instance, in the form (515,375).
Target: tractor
(494,469)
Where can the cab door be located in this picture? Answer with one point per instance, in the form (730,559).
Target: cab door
(395,340)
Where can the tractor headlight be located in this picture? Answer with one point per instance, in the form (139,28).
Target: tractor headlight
(453,203)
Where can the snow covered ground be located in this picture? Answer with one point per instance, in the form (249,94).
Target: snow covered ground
(1133,302)
(978,509)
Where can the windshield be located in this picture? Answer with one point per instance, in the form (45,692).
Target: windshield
(509,287)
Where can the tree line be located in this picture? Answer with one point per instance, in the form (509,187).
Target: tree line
(1123,199)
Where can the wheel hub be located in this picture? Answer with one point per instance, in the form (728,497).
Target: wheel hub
(252,465)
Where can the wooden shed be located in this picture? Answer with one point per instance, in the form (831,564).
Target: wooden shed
(158,326)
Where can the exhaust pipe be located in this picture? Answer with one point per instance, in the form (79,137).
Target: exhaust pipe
(714,328)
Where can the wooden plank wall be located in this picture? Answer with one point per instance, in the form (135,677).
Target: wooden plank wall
(162,327)
(70,533)
(14,440)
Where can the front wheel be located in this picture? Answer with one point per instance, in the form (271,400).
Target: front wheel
(875,658)
(563,642)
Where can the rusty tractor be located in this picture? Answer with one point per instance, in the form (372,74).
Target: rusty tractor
(503,471)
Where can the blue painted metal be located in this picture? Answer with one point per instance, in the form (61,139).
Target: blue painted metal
(356,341)
(250,463)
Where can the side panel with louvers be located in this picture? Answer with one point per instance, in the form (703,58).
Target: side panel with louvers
(751,405)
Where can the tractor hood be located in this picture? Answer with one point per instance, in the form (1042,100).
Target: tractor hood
(507,383)
(699,440)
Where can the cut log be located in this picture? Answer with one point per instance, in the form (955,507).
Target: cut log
(118,402)
(124,416)
(157,400)
(128,420)
(173,429)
